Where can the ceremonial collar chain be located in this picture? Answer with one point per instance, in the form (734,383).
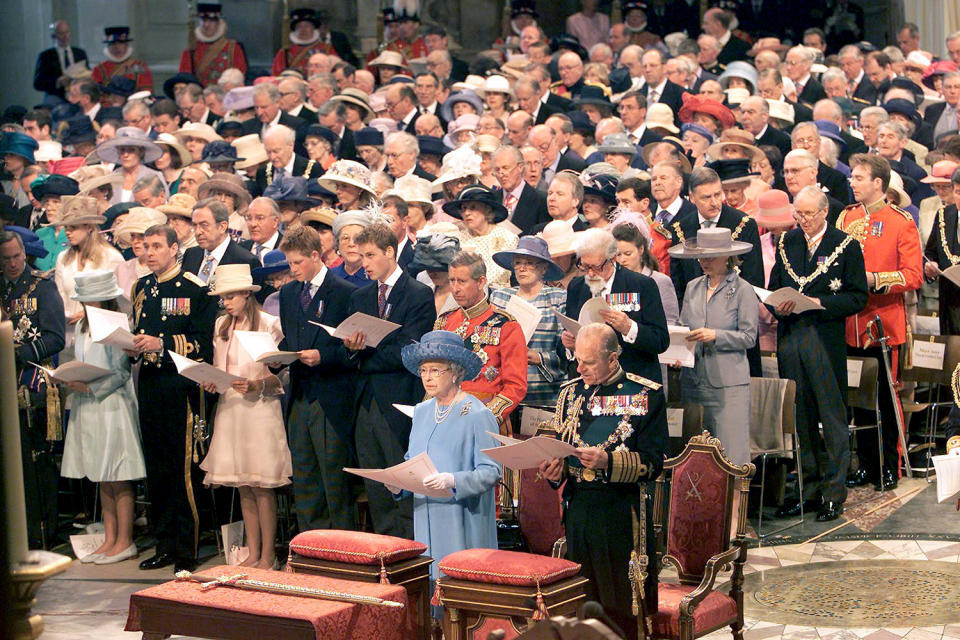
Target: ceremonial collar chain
(821,268)
(943,239)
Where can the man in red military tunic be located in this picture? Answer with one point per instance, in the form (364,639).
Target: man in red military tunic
(120,61)
(214,52)
(893,259)
(401,23)
(305,41)
(494,335)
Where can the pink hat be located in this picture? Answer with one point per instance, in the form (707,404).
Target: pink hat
(941,172)
(774,209)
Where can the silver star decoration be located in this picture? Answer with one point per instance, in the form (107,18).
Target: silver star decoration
(835,284)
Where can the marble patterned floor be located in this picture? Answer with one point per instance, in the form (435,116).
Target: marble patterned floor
(88,602)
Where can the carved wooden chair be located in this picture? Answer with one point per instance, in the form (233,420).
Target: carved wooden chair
(704,526)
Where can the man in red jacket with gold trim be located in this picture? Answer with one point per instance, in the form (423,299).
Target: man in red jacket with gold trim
(494,335)
(893,259)
(214,52)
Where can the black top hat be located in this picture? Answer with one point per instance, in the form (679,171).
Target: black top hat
(523,7)
(371,137)
(303,15)
(79,129)
(177,78)
(120,86)
(630,5)
(733,170)
(116,34)
(54,185)
(389,15)
(482,195)
(432,146)
(209,10)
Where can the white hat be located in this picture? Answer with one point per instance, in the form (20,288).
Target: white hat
(347,172)
(411,189)
(197,130)
(495,84)
(660,116)
(462,162)
(48,150)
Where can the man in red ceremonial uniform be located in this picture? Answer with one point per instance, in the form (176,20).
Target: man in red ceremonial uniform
(494,335)
(120,61)
(305,41)
(214,52)
(401,23)
(893,259)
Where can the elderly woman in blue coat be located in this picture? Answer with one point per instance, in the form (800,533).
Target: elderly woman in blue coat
(721,311)
(452,427)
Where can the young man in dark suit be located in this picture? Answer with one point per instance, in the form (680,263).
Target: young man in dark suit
(319,420)
(215,247)
(382,432)
(636,312)
(825,264)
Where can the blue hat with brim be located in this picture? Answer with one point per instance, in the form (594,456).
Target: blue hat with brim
(35,249)
(369,137)
(25,234)
(441,345)
(220,151)
(446,109)
(19,144)
(273,262)
(287,189)
(432,146)
(531,247)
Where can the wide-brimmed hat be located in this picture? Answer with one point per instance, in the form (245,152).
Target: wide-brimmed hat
(94,176)
(560,238)
(472,83)
(220,151)
(230,183)
(597,95)
(318,195)
(917,60)
(274,261)
(905,108)
(462,162)
(320,131)
(179,204)
(581,122)
(48,151)
(828,129)
(486,143)
(471,98)
(781,110)
(238,99)
(170,141)
(768,43)
(196,130)
(230,278)
(735,137)
(480,195)
(113,212)
(466,122)
(357,98)
(96,286)
(660,116)
(412,190)
(774,209)
(935,69)
(53,185)
(389,58)
(138,220)
(736,96)
(701,104)
(739,69)
(941,172)
(385,126)
(129,137)
(179,78)
(732,171)
(602,185)
(287,189)
(347,172)
(32,244)
(79,129)
(713,242)
(897,186)
(495,84)
(433,252)
(319,215)
(531,247)
(441,345)
(20,144)
(617,143)
(354,216)
(76,210)
(250,147)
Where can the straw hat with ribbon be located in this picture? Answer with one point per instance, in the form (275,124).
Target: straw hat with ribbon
(714,242)
(320,215)
(170,141)
(94,176)
(357,98)
(231,278)
(138,220)
(196,130)
(230,183)
(179,204)
(77,210)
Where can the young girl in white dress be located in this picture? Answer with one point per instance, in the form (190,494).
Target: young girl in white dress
(248,449)
(103,434)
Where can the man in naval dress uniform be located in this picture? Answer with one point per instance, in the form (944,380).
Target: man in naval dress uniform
(172,313)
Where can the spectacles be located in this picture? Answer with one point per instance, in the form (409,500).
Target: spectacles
(805,215)
(432,372)
(590,268)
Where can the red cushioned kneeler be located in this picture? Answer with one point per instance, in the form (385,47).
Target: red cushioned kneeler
(369,557)
(508,589)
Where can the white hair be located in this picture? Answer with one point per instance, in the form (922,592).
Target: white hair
(809,54)
(231,76)
(808,158)
(596,241)
(280,130)
(409,142)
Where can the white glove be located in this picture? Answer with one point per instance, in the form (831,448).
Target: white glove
(439,481)
(955,451)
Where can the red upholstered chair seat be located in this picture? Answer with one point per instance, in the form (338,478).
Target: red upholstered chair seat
(507,567)
(715,610)
(355,547)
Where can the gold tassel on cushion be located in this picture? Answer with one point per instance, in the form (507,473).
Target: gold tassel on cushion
(541,613)
(54,421)
(384,578)
(437,599)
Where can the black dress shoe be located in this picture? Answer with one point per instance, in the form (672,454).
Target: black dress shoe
(158,561)
(829,510)
(857,479)
(791,508)
(184,564)
(887,481)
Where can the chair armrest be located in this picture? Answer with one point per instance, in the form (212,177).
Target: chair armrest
(710,571)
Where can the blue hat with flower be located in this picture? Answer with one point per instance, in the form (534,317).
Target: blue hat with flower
(441,345)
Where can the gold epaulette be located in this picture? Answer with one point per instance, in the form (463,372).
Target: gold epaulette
(441,320)
(644,381)
(904,213)
(191,277)
(855,99)
(843,214)
(43,275)
(570,382)
(498,310)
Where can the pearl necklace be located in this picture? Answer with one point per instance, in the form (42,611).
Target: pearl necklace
(441,414)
